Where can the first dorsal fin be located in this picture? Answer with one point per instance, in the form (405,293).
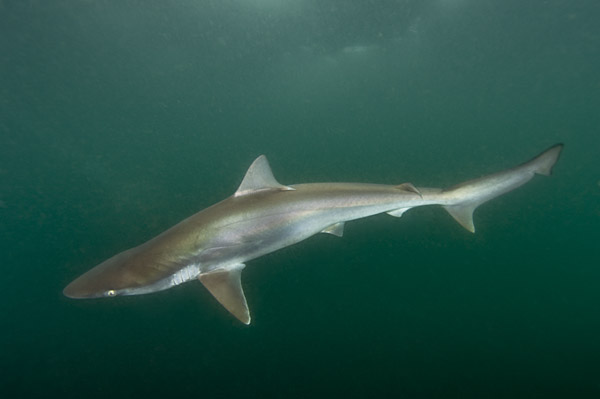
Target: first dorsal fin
(259,177)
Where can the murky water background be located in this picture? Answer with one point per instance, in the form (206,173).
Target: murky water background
(120,118)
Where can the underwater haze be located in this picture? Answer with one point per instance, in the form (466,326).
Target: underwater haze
(119,118)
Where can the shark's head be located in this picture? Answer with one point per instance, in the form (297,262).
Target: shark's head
(115,276)
(91,285)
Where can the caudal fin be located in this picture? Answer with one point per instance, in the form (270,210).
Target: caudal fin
(544,162)
(463,199)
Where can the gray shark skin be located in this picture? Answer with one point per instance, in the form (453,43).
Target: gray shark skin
(263,216)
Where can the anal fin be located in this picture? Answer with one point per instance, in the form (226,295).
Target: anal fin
(226,286)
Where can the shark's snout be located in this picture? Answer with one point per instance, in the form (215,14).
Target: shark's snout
(81,288)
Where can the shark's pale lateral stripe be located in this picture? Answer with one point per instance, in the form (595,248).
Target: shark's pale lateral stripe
(263,216)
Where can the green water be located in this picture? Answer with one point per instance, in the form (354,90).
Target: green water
(120,118)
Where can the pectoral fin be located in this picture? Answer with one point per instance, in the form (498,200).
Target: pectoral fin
(463,214)
(226,287)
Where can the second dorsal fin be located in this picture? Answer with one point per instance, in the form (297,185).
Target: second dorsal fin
(259,177)
(410,188)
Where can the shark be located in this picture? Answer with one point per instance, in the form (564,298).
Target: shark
(263,216)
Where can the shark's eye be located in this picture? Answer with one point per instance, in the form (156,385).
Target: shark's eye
(111,293)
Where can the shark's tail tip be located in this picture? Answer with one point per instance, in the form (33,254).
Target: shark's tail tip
(474,193)
(546,160)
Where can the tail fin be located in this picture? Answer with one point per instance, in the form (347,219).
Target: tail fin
(544,162)
(463,199)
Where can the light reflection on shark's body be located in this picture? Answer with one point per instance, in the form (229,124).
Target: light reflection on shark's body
(264,216)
